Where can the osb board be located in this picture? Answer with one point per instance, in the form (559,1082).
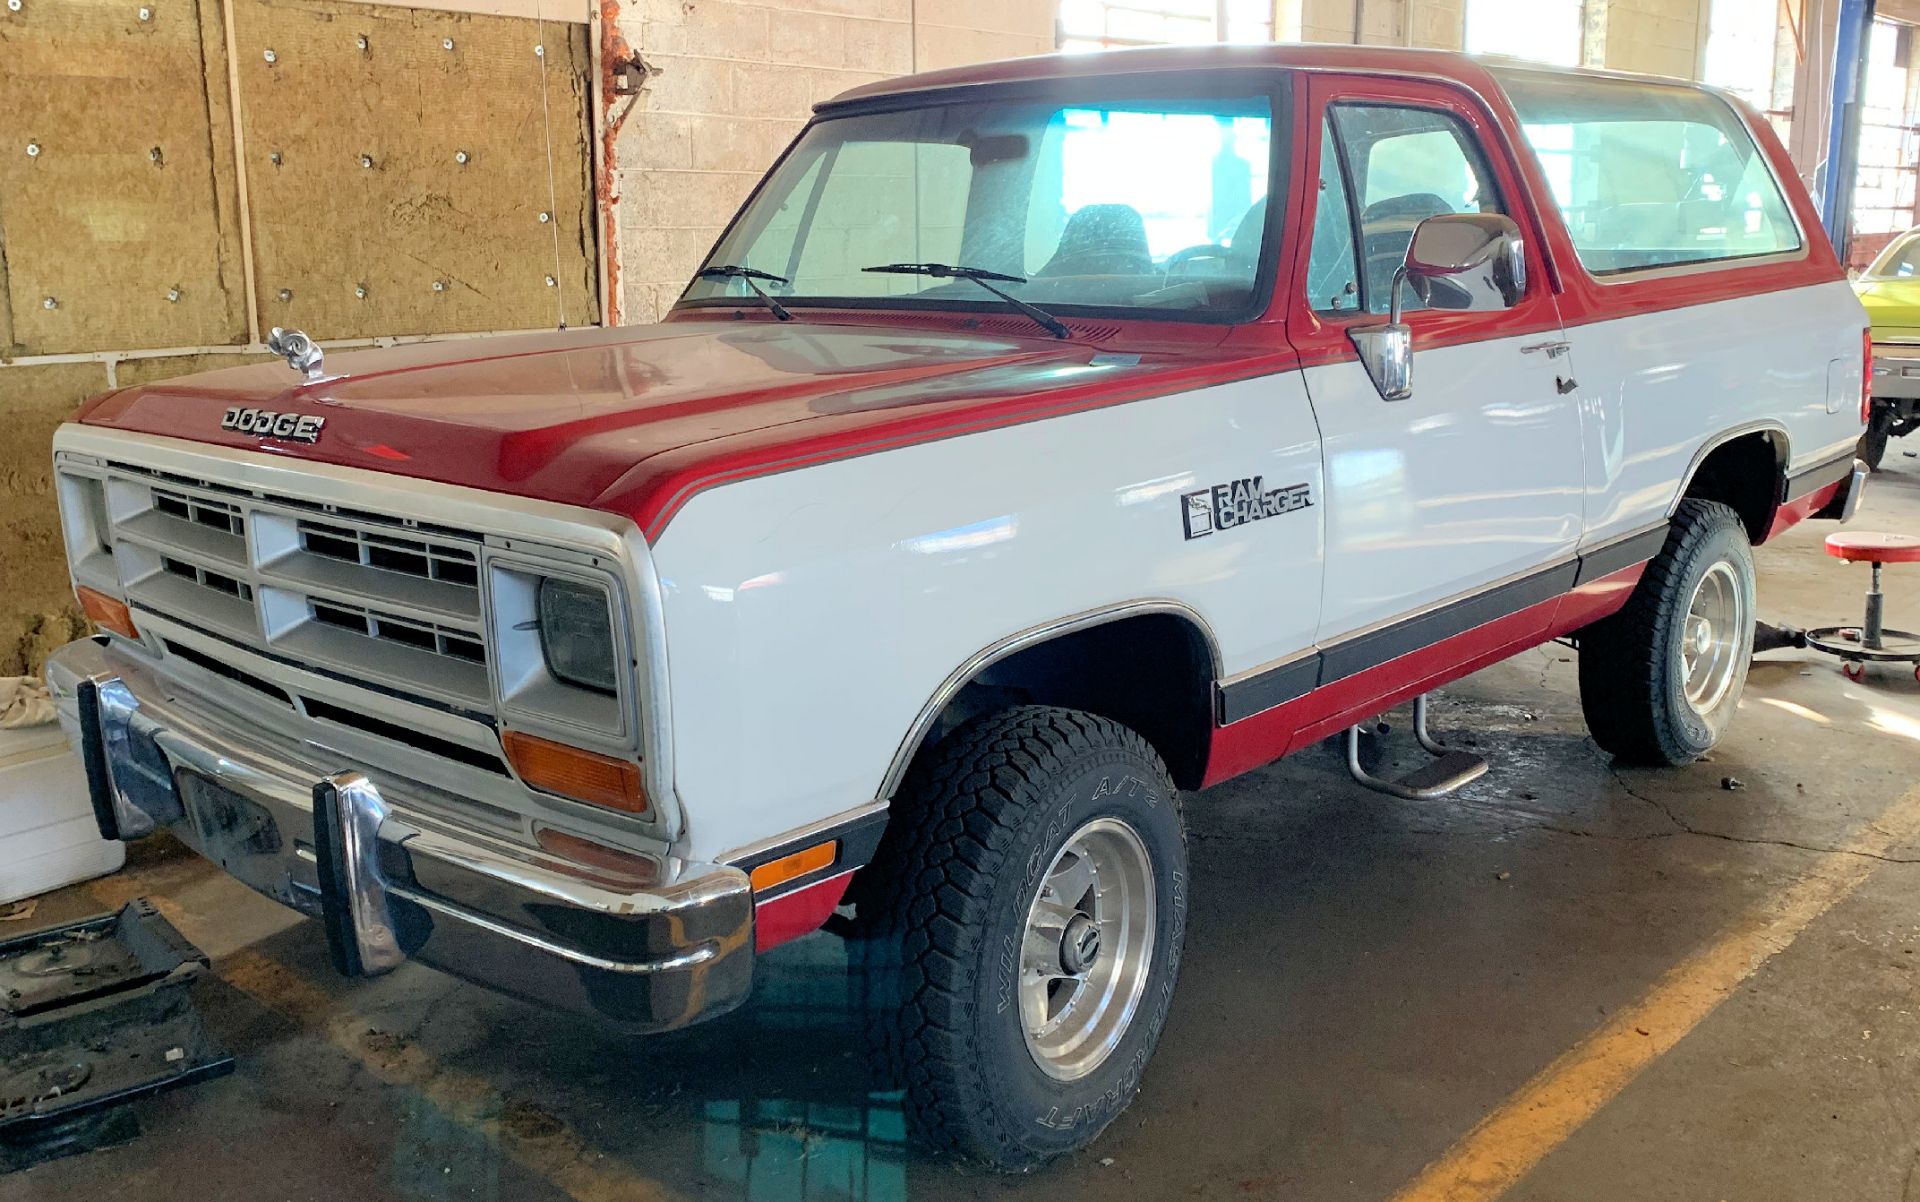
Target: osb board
(37,612)
(129,372)
(131,194)
(329,222)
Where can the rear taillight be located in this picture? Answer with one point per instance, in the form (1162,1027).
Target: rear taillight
(1866,378)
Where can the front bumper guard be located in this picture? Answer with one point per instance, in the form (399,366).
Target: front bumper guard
(649,949)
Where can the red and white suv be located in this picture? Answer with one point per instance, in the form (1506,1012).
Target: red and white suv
(1040,439)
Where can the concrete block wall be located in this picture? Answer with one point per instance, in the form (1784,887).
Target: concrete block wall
(732,81)
(1427,24)
(1658,37)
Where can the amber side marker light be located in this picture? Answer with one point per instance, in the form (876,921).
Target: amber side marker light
(585,776)
(800,863)
(107,612)
(627,869)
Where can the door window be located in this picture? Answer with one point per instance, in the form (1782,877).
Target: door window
(1404,165)
(1333,265)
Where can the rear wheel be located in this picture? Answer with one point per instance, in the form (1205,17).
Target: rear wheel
(1873,443)
(1660,680)
(1021,928)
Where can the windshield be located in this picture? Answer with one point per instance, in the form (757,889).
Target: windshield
(1900,261)
(1143,206)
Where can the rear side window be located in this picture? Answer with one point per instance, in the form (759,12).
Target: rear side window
(1651,176)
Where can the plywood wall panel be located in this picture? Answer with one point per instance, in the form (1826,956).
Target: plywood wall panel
(37,612)
(369,205)
(128,199)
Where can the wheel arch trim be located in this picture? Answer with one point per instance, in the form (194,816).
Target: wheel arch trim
(1782,453)
(1033,636)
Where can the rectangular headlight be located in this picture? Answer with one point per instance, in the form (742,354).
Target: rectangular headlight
(576,634)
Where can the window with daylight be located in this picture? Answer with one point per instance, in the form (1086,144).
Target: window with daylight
(1383,170)
(1545,31)
(1884,190)
(1105,24)
(1742,48)
(1650,175)
(1048,196)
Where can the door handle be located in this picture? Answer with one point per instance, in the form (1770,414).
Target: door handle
(1552,350)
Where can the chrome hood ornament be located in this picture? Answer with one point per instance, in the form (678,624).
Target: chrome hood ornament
(298,350)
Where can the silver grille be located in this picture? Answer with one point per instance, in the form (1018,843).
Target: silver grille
(370,596)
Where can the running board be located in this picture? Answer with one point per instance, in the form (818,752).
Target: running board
(1450,771)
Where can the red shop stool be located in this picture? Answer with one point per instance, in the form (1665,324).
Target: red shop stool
(1870,642)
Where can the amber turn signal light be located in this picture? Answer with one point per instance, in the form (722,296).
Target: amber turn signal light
(585,776)
(786,868)
(108,613)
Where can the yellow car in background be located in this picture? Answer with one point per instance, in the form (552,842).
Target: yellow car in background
(1890,289)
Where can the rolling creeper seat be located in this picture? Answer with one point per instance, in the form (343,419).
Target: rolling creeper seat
(1870,642)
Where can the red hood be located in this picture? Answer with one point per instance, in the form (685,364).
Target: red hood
(635,419)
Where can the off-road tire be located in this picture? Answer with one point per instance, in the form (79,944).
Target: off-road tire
(1631,685)
(980,817)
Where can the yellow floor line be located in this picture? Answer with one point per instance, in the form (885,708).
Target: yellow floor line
(554,1151)
(1506,1145)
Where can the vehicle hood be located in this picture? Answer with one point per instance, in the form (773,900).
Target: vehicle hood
(1892,305)
(570,416)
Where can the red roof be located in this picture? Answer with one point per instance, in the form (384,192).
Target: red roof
(1214,57)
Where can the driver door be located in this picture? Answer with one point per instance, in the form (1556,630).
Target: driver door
(1475,479)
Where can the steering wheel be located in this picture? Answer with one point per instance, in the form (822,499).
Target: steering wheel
(1206,250)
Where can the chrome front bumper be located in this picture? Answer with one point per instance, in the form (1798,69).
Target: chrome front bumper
(649,943)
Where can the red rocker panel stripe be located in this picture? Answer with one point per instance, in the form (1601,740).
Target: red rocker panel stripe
(1265,737)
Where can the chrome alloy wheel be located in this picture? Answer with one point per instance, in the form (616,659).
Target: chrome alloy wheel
(1712,640)
(1088,949)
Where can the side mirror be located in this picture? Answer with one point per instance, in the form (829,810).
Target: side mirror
(1465,262)
(1387,354)
(1473,262)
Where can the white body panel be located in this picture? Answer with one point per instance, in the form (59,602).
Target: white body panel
(1471,479)
(1658,388)
(811,614)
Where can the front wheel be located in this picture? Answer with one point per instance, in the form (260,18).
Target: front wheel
(1660,680)
(1021,928)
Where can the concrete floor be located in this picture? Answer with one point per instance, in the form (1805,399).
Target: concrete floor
(1365,980)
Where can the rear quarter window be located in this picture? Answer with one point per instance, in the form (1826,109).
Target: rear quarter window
(1651,176)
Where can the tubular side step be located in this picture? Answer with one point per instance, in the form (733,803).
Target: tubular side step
(1449,771)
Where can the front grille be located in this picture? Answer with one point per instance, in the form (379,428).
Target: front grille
(369,596)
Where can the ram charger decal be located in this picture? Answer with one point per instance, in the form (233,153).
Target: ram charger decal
(1226,506)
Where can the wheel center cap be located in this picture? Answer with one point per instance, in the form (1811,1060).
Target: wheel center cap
(1079,945)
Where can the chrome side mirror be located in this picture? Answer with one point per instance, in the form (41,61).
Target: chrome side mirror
(1465,262)
(1387,354)
(1471,262)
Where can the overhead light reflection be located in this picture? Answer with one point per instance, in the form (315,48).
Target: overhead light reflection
(1798,711)
(965,538)
(1895,724)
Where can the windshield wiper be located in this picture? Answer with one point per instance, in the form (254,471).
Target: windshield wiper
(750,277)
(980,276)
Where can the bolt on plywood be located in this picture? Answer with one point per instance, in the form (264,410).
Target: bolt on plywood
(118,218)
(398,169)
